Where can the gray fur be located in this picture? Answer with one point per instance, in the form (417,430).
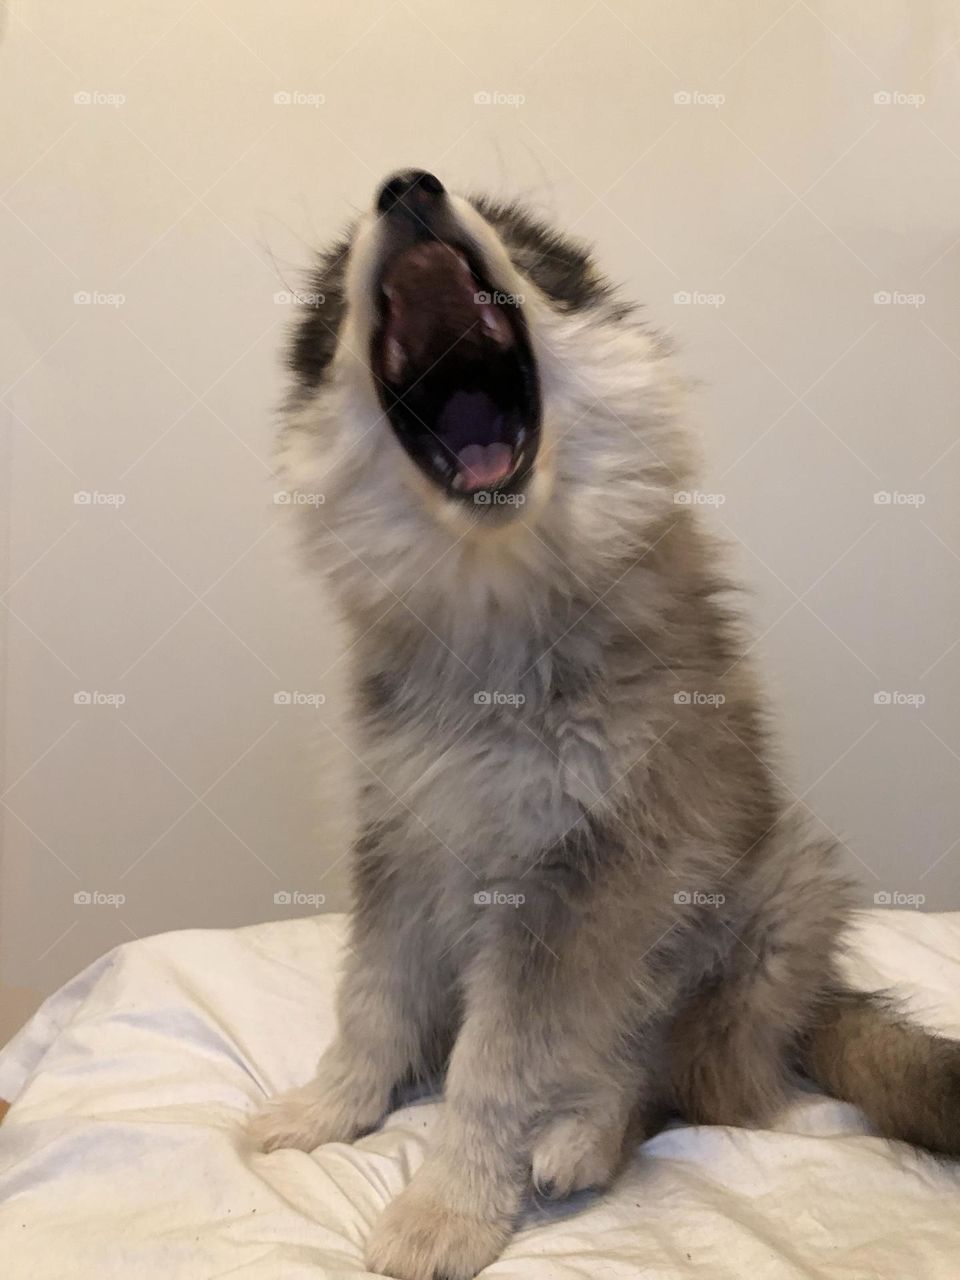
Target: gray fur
(658,934)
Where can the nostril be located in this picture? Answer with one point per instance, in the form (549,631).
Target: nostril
(390,193)
(407,185)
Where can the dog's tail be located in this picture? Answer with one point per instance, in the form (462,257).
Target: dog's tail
(906,1080)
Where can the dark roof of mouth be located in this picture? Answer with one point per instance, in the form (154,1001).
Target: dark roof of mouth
(432,300)
(453,367)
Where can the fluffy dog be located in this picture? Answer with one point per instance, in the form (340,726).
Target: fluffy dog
(579,889)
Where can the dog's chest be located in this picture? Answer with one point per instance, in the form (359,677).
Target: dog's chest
(486,759)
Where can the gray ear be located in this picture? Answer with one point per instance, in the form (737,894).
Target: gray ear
(319,312)
(560,266)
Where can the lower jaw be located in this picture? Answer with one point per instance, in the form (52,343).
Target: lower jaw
(457,489)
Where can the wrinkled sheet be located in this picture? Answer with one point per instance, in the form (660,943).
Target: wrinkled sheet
(120,1156)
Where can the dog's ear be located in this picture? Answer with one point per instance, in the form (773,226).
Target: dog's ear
(320,310)
(560,266)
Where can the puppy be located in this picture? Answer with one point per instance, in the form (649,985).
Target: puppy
(579,889)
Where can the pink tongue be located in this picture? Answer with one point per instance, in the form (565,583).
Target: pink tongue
(485,465)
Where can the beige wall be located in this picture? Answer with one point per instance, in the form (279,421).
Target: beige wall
(782,185)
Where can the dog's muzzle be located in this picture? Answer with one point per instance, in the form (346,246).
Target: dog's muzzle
(450,352)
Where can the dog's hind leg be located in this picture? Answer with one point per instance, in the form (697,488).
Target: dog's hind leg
(734,1043)
(582,1146)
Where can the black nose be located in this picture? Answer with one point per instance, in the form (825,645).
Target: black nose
(412,186)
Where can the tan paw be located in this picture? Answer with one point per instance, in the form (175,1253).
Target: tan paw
(305,1119)
(420,1238)
(574,1153)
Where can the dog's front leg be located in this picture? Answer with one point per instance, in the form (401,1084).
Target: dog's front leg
(550,1001)
(393,1003)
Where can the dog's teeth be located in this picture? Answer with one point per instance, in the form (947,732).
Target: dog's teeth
(521,436)
(457,481)
(394,359)
(496,325)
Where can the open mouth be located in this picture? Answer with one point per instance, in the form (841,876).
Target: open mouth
(454,370)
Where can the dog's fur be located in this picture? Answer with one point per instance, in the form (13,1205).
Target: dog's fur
(654,931)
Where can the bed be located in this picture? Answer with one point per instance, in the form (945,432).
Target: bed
(120,1155)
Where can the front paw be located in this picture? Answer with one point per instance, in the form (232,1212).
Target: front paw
(421,1238)
(305,1119)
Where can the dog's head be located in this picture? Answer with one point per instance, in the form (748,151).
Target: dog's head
(469,387)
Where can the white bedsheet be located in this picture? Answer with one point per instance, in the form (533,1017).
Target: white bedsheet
(119,1157)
